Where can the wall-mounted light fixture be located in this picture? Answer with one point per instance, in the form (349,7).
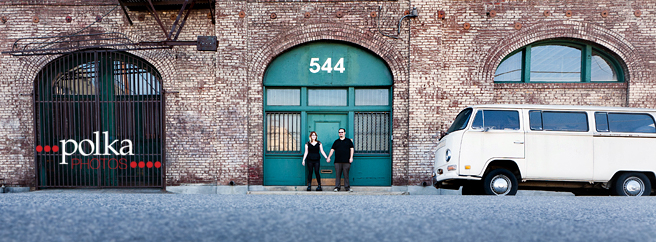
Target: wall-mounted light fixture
(411,14)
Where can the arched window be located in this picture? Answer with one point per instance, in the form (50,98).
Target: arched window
(559,61)
(103,96)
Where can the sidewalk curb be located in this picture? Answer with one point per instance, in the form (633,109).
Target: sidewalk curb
(326,193)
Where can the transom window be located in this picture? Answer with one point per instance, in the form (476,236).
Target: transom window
(327,97)
(558,61)
(284,97)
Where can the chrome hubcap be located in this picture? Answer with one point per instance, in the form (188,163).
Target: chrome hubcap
(500,185)
(634,186)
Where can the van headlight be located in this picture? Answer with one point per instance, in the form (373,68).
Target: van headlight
(447,157)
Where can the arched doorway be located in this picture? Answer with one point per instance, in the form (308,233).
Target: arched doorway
(323,86)
(99,122)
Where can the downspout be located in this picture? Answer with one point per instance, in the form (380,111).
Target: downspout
(413,14)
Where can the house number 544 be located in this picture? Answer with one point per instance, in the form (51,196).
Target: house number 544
(327,65)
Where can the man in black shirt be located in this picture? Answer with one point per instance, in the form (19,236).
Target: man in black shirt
(343,149)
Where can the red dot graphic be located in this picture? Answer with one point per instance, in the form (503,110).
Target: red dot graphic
(141,164)
(55,148)
(39,148)
(158,164)
(133,164)
(47,148)
(149,164)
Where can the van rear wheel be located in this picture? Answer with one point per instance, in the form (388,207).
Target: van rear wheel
(632,184)
(500,182)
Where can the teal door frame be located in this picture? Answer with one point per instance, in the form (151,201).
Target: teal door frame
(291,161)
(327,65)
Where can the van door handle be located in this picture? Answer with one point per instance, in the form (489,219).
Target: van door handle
(519,142)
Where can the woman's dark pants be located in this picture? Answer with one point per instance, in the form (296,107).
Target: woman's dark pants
(310,166)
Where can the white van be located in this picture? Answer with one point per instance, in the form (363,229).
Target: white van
(496,149)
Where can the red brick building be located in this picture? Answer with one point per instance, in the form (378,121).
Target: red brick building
(211,107)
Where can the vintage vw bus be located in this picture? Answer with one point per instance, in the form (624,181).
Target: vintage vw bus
(497,149)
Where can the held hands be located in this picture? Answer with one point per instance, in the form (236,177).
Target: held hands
(328,159)
(351,160)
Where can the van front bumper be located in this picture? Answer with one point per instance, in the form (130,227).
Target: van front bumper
(451,180)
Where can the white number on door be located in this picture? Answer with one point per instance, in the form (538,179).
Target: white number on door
(327,66)
(313,63)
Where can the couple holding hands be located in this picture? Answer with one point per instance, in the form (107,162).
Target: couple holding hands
(343,149)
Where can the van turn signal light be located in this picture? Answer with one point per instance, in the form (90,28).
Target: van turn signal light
(467,167)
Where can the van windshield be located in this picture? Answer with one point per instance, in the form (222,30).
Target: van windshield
(461,121)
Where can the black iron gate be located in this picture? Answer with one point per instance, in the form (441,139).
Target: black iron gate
(99,122)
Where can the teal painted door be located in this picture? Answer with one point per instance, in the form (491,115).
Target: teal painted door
(284,170)
(323,86)
(327,127)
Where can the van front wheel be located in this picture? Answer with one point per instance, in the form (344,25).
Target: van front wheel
(500,182)
(632,184)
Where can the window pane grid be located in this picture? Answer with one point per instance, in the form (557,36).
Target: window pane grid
(327,97)
(371,97)
(284,97)
(283,132)
(558,62)
(510,70)
(555,63)
(372,132)
(601,69)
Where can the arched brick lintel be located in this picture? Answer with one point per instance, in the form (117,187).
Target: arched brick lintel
(618,45)
(25,80)
(304,34)
(374,42)
(34,64)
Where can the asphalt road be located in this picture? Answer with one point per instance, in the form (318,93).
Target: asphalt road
(179,217)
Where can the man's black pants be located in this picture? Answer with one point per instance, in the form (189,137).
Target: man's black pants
(342,168)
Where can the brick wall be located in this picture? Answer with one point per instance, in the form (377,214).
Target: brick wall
(453,67)
(193,120)
(214,101)
(270,37)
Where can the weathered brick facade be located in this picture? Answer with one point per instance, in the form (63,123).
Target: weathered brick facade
(214,100)
(453,67)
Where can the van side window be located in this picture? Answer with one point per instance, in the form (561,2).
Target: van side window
(565,121)
(535,119)
(478,120)
(601,121)
(631,123)
(496,119)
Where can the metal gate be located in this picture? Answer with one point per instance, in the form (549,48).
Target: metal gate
(99,122)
